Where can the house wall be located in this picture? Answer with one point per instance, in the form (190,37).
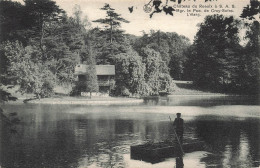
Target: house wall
(105,82)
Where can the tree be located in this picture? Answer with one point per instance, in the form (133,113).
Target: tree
(249,64)
(91,76)
(32,77)
(117,44)
(112,21)
(5,95)
(171,47)
(11,19)
(64,41)
(40,15)
(82,22)
(215,52)
(251,11)
(91,80)
(105,51)
(129,74)
(178,55)
(156,75)
(49,45)
(87,82)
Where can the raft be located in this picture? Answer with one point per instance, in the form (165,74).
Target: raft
(157,152)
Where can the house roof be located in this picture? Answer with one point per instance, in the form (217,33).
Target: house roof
(81,69)
(105,69)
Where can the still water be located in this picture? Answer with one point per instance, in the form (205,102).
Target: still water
(86,136)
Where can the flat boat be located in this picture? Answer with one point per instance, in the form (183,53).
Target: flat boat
(157,152)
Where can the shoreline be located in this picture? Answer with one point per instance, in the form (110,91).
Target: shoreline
(87,101)
(201,95)
(104,100)
(79,100)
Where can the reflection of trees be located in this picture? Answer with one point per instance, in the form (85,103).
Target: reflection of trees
(124,126)
(252,130)
(40,144)
(107,149)
(179,162)
(232,142)
(117,137)
(74,141)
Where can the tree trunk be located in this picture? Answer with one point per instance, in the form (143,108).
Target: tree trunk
(111,28)
(41,39)
(158,36)
(55,78)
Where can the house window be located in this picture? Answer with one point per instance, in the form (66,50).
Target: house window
(81,78)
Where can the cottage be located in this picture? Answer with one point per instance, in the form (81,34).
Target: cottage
(105,76)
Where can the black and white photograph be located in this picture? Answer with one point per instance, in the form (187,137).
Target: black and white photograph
(129,84)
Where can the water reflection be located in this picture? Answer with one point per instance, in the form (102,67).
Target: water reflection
(101,136)
(179,162)
(202,100)
(233,143)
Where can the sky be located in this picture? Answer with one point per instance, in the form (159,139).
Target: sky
(140,21)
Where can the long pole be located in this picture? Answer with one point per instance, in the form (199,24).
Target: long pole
(150,2)
(177,138)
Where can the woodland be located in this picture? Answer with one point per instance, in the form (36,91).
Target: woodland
(41,45)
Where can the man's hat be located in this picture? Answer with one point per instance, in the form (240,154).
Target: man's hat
(178,113)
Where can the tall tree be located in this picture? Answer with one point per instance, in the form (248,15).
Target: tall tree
(171,47)
(11,19)
(82,21)
(90,60)
(129,74)
(112,21)
(40,14)
(22,70)
(215,52)
(252,10)
(52,47)
(156,74)
(106,51)
(249,67)
(64,41)
(87,82)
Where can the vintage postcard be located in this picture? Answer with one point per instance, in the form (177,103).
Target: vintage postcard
(129,83)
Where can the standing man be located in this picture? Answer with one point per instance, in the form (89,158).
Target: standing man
(178,123)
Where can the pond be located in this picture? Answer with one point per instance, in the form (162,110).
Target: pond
(82,136)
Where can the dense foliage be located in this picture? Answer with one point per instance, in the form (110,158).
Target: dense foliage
(249,65)
(112,20)
(216,60)
(215,52)
(171,47)
(40,48)
(41,45)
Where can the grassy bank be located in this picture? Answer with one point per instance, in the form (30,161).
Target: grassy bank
(183,89)
(189,89)
(86,100)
